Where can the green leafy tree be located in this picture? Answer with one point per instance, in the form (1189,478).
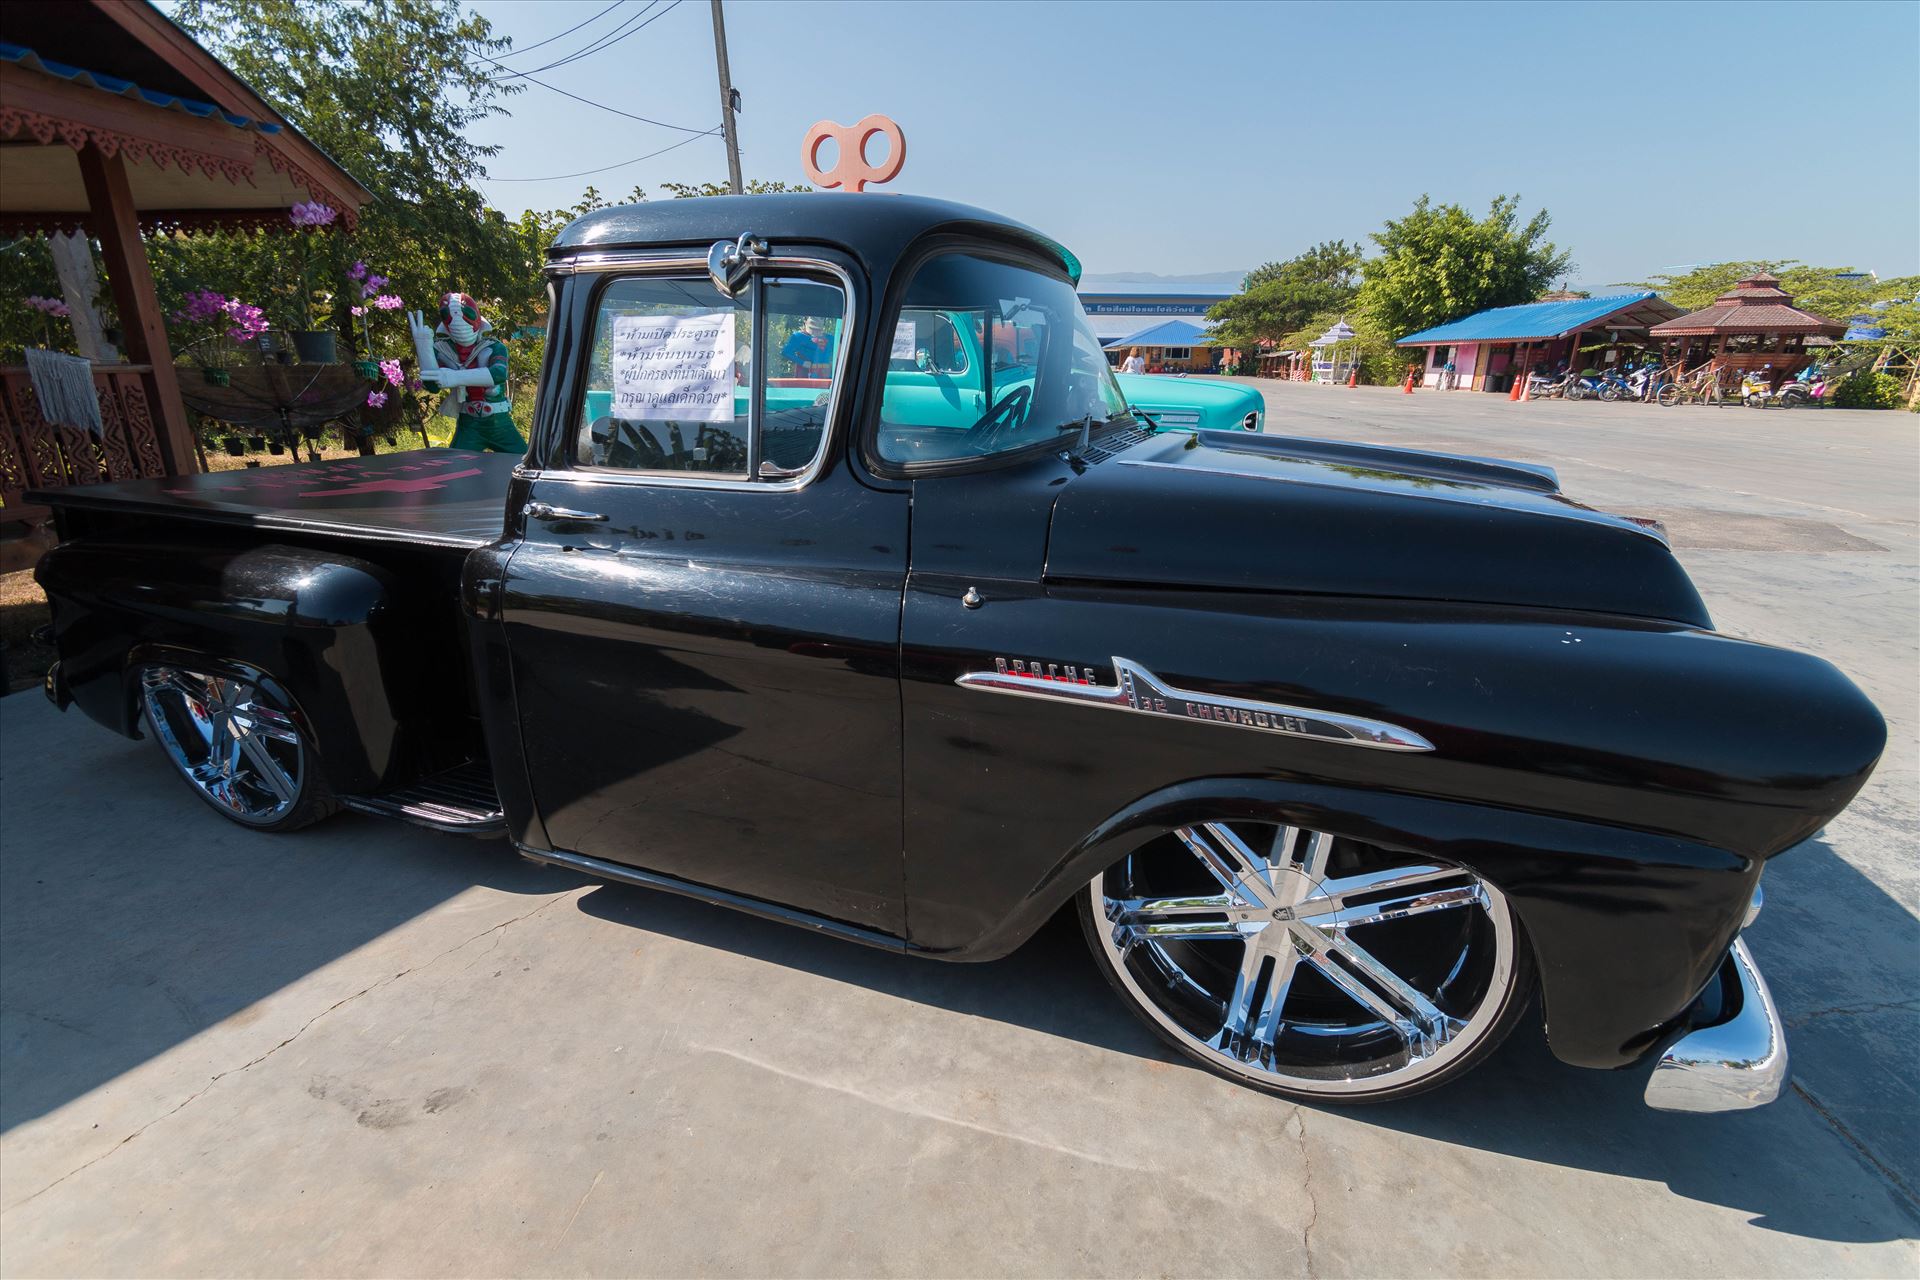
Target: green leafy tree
(1279,297)
(1439,263)
(388,89)
(754,187)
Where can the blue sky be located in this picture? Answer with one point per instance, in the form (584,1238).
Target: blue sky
(1207,137)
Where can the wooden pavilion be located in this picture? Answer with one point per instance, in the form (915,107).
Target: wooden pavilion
(114,122)
(1752,326)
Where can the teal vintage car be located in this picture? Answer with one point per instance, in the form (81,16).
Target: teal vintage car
(938,371)
(947,368)
(1183,404)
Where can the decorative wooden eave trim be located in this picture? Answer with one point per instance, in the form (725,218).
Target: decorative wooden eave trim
(311,167)
(50,109)
(152,221)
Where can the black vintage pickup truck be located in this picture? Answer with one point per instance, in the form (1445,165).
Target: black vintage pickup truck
(836,538)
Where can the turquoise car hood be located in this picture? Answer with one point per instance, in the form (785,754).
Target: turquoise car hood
(1181,403)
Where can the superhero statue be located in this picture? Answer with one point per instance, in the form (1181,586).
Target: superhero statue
(460,355)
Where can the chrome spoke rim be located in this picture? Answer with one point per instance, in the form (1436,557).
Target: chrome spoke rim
(244,755)
(1307,962)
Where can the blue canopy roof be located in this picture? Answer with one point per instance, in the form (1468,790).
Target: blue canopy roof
(20,55)
(1534,320)
(1167,333)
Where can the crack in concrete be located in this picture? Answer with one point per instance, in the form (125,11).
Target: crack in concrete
(245,1066)
(1848,1010)
(1866,1153)
(1306,1185)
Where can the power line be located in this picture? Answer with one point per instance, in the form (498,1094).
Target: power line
(584,173)
(603,106)
(598,43)
(617,34)
(570,30)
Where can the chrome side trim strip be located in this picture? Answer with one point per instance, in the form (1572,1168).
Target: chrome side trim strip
(1137,689)
(718,897)
(1739,1063)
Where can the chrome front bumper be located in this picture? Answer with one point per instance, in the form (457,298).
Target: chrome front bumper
(1739,1062)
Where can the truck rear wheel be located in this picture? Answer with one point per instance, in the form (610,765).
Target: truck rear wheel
(239,751)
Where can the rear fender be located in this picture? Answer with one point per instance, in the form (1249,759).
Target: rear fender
(304,623)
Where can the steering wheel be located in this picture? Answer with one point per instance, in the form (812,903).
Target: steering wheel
(1009,411)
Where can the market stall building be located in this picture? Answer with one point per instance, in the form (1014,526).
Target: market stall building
(1488,349)
(115,123)
(1171,346)
(1753,326)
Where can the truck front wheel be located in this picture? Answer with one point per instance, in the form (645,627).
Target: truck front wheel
(239,751)
(1319,968)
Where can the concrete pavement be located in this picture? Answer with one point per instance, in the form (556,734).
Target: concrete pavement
(369,1050)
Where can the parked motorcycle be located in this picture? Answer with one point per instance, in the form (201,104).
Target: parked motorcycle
(1547,386)
(1757,390)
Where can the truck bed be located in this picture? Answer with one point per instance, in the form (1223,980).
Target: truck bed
(434,497)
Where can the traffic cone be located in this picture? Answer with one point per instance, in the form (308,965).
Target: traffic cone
(1406,387)
(1526,385)
(1353,377)
(1519,387)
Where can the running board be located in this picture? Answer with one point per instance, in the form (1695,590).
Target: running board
(462,801)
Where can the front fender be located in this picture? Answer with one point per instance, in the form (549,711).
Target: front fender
(1626,926)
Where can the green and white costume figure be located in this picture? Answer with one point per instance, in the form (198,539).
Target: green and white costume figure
(460,355)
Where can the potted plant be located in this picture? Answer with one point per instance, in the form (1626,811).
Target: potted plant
(207,317)
(314,346)
(368,284)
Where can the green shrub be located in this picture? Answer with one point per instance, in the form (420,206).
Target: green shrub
(1865,389)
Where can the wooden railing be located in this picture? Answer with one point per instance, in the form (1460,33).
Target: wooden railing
(37,455)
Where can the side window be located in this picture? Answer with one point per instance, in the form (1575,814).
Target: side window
(1025,368)
(671,377)
(928,342)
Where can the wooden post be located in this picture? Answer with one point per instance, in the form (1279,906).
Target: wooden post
(110,201)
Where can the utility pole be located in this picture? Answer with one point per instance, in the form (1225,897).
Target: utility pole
(727,99)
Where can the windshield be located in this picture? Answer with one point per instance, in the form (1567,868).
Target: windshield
(988,357)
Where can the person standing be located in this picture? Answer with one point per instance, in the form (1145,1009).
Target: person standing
(1134,363)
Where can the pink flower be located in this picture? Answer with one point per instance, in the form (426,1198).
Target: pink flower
(249,322)
(376,399)
(51,306)
(311,213)
(358,311)
(389,302)
(202,306)
(391,368)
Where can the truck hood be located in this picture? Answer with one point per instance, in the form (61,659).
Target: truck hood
(1228,511)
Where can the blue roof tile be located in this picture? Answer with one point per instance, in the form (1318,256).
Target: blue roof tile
(119,88)
(1533,321)
(1167,333)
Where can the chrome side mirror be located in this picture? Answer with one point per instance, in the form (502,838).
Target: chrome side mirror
(730,265)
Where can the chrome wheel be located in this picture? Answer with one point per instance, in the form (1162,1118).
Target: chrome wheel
(243,755)
(1306,963)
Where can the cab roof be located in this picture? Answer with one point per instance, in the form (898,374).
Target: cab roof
(874,227)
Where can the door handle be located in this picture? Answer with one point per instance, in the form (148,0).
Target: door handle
(547,511)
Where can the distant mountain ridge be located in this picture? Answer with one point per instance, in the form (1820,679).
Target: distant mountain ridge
(1232,278)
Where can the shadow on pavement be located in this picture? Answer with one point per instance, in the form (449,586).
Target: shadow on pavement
(126,930)
(1783,1164)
